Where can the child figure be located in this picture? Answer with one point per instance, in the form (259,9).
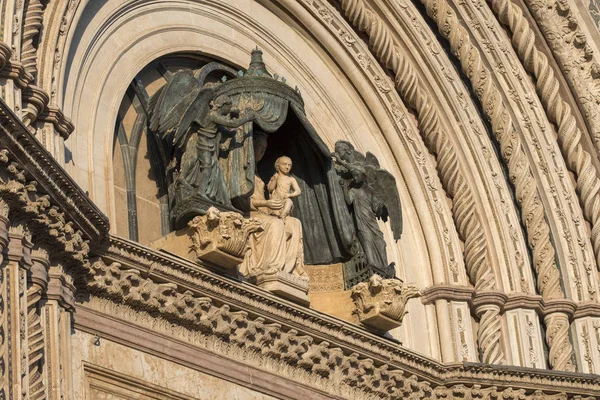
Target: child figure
(282,186)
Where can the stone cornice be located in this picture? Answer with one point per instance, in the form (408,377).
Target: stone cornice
(162,273)
(50,176)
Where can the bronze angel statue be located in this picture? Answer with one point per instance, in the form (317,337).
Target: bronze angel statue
(186,114)
(371,193)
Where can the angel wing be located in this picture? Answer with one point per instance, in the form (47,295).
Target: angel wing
(371,160)
(384,187)
(195,113)
(169,104)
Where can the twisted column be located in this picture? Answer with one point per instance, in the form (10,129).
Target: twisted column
(558,111)
(32,23)
(36,343)
(489,333)
(513,153)
(557,331)
(464,209)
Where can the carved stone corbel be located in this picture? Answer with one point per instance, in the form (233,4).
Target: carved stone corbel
(381,303)
(221,238)
(218,239)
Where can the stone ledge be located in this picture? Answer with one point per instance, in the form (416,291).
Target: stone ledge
(367,347)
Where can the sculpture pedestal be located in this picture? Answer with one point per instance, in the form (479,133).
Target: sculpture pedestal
(288,286)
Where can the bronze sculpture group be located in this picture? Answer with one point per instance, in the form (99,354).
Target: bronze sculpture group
(324,211)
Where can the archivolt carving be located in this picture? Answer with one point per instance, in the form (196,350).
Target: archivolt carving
(464,209)
(575,57)
(527,191)
(559,112)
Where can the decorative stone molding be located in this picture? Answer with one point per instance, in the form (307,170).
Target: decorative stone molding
(381,303)
(408,85)
(220,238)
(330,355)
(54,115)
(35,99)
(17,143)
(464,209)
(559,112)
(43,220)
(520,171)
(575,57)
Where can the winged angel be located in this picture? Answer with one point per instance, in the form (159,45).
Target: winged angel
(186,115)
(371,193)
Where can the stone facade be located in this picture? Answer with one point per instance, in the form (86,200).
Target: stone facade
(484,112)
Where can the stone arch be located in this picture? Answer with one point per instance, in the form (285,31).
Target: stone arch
(340,103)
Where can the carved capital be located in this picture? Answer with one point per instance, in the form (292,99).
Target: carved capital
(38,274)
(61,287)
(381,303)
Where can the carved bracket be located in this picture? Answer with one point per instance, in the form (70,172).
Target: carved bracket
(220,238)
(381,303)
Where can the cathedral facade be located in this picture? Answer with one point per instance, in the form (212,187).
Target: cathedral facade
(299,199)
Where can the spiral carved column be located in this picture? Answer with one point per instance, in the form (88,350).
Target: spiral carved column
(513,153)
(4,224)
(557,332)
(489,333)
(464,211)
(38,282)
(558,111)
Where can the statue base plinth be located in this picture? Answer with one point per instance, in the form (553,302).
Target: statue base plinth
(288,286)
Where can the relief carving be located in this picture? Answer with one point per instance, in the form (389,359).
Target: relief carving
(381,303)
(220,238)
(464,210)
(520,172)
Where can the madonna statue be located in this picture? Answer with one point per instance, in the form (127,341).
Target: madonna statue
(278,248)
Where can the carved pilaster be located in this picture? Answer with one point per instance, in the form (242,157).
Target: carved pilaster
(4,383)
(56,314)
(14,272)
(524,333)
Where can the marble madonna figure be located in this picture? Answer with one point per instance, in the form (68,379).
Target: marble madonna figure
(278,247)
